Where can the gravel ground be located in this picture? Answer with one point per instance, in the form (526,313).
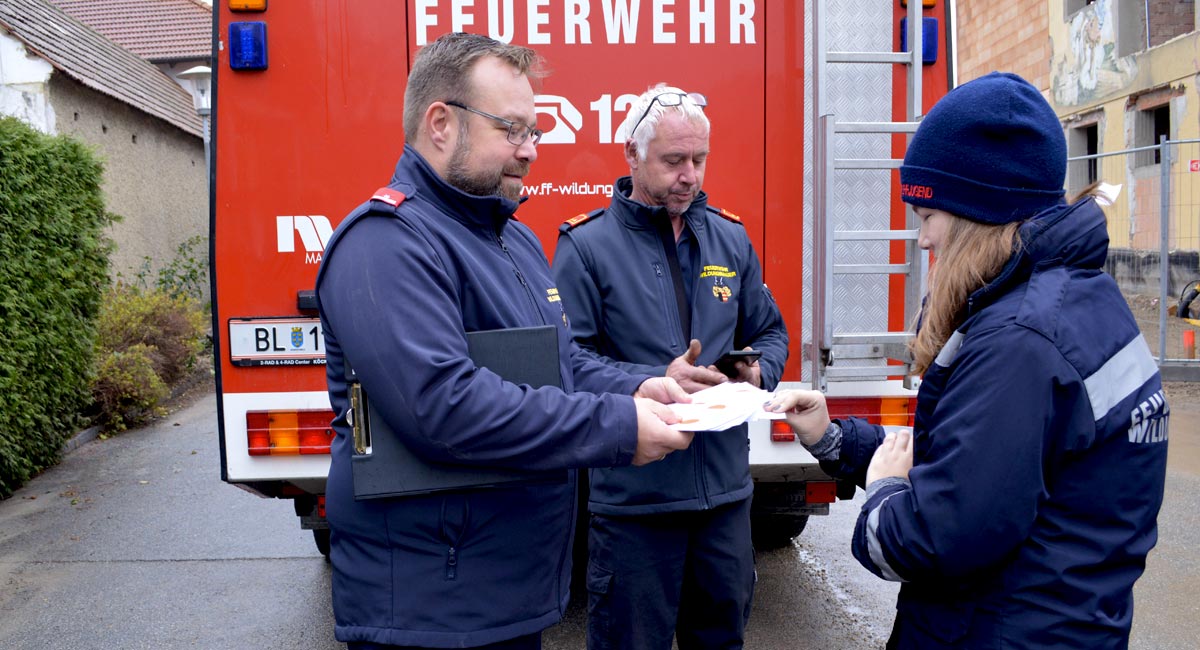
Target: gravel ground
(1181,392)
(1146,311)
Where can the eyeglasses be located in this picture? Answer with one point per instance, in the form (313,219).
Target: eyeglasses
(668,99)
(517,132)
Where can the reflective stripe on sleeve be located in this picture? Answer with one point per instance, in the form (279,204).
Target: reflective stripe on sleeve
(1121,376)
(873,547)
(950,350)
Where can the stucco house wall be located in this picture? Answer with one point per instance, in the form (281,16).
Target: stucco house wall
(63,78)
(153,173)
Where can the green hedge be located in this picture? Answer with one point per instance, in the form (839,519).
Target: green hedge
(53,268)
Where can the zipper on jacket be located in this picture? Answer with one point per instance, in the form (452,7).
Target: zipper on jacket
(701,482)
(701,476)
(529,292)
(454,532)
(565,554)
(521,278)
(667,298)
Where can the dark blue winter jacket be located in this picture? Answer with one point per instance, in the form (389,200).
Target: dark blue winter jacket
(1040,454)
(612,271)
(398,287)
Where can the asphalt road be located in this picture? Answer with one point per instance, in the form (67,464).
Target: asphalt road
(134,542)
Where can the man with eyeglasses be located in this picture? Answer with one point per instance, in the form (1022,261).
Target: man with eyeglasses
(430,257)
(663,283)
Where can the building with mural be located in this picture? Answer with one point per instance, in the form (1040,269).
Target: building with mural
(1122,75)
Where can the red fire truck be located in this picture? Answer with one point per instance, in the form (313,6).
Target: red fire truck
(810,107)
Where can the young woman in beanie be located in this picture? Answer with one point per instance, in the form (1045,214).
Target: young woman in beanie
(1019,511)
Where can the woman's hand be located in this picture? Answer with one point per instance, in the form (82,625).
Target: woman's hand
(806,413)
(893,457)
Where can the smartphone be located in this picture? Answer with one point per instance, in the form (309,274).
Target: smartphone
(726,363)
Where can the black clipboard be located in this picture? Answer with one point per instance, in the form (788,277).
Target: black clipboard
(383,467)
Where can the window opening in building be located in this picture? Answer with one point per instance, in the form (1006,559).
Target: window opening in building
(1071,6)
(1083,141)
(1130,21)
(1151,125)
(1168,19)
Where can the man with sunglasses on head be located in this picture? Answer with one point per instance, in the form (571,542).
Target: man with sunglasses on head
(430,257)
(662,283)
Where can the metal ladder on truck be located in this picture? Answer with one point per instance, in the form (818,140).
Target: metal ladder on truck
(842,356)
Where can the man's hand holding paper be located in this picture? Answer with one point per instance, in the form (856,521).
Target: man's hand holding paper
(723,406)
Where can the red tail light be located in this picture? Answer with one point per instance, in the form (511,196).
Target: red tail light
(876,410)
(282,433)
(781,432)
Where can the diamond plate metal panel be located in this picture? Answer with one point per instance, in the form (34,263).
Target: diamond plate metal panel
(855,93)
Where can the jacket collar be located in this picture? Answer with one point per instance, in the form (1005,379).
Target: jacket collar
(640,216)
(472,210)
(1072,236)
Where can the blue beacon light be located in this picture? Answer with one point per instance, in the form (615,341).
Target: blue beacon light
(929,39)
(248,45)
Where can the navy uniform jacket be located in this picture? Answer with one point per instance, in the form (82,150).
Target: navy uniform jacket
(615,283)
(1040,455)
(398,287)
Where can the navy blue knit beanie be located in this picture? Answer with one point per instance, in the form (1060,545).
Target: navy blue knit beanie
(991,150)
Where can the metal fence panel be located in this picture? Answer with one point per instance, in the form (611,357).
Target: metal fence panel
(1154,236)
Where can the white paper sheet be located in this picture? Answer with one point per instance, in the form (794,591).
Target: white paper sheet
(723,406)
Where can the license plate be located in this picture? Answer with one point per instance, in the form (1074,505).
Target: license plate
(276,342)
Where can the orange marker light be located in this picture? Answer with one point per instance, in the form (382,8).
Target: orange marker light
(247,5)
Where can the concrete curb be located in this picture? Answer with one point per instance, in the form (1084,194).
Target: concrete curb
(201,374)
(1180,372)
(80,439)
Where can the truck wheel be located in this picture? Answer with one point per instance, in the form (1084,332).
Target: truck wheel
(775,531)
(321,537)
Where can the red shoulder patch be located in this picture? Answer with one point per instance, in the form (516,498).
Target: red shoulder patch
(388,196)
(577,219)
(729,215)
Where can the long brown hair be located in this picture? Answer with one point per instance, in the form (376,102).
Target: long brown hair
(973,256)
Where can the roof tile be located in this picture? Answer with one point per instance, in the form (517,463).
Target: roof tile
(157,30)
(97,62)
